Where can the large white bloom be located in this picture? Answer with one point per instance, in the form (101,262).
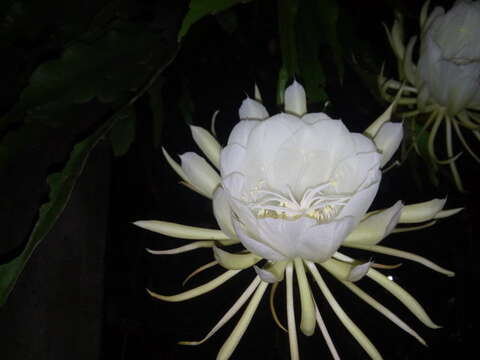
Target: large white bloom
(298,186)
(293,188)
(448,69)
(445,83)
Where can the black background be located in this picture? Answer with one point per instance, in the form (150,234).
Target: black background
(83,293)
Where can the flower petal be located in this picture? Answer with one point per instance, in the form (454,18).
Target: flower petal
(181,231)
(231,343)
(361,201)
(423,211)
(318,243)
(233,184)
(295,99)
(241,132)
(207,143)
(376,226)
(234,261)
(200,173)
(255,246)
(252,110)
(223,212)
(272,272)
(388,139)
(308,320)
(359,271)
(231,159)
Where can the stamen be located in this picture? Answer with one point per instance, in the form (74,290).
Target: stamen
(314,204)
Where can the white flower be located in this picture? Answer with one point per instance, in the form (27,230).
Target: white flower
(292,181)
(445,83)
(293,189)
(448,69)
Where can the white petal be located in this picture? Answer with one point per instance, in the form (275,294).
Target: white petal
(372,130)
(318,243)
(376,227)
(200,173)
(312,118)
(233,184)
(351,173)
(252,110)
(361,201)
(363,144)
(254,246)
(284,234)
(231,159)
(207,143)
(241,132)
(223,212)
(387,139)
(422,211)
(308,157)
(359,271)
(295,99)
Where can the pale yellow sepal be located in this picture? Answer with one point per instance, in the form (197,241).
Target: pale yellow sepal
(258,95)
(200,290)
(178,169)
(423,211)
(237,333)
(372,130)
(295,99)
(207,143)
(234,261)
(181,231)
(361,338)
(339,270)
(447,213)
(185,248)
(292,328)
(308,320)
(359,271)
(408,300)
(272,272)
(229,314)
(375,227)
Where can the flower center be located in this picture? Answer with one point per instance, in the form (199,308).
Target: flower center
(315,204)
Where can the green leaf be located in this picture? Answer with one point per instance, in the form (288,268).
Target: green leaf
(123,133)
(287,17)
(105,68)
(309,40)
(61,186)
(228,21)
(327,16)
(201,8)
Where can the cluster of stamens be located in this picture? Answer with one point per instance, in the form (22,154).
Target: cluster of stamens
(315,203)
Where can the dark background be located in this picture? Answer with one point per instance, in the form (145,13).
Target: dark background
(82,295)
